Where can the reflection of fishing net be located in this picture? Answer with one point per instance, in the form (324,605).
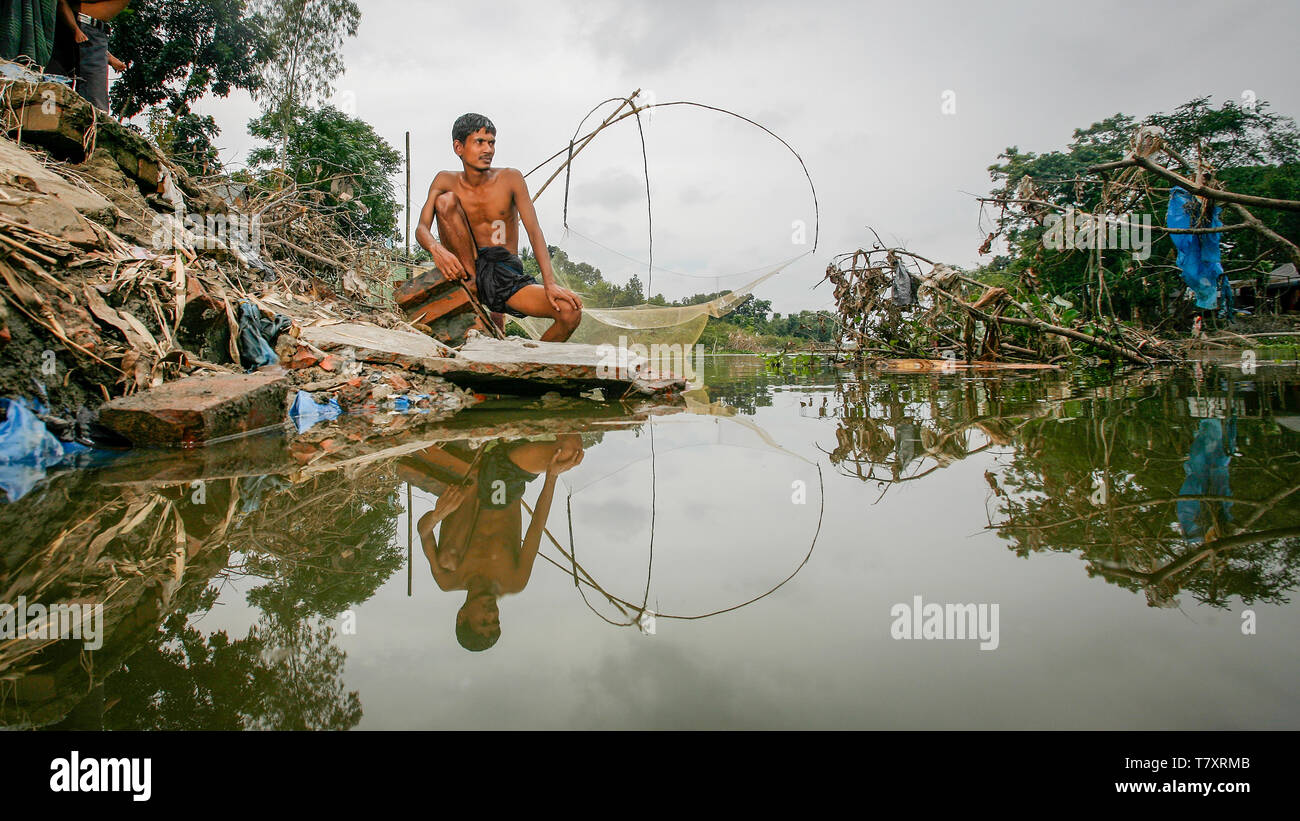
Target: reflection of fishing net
(648,324)
(690,563)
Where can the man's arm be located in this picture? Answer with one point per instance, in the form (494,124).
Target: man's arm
(448,263)
(528,216)
(70,20)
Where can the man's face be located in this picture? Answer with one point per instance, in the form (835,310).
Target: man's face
(477,150)
(483,616)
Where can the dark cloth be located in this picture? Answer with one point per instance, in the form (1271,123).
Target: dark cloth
(92,74)
(497,467)
(66,59)
(902,286)
(257,336)
(27,29)
(498,276)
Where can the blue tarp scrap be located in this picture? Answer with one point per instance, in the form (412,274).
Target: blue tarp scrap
(1198,254)
(305,411)
(27,450)
(408,402)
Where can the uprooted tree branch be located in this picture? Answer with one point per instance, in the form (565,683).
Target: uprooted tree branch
(953,313)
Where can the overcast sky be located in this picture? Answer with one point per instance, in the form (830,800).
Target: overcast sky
(856,88)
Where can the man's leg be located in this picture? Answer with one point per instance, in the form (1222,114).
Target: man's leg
(454,233)
(531,300)
(92,73)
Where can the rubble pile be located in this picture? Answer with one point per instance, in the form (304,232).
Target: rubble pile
(142,307)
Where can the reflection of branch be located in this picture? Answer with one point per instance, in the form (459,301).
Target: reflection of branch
(1142,503)
(1202,552)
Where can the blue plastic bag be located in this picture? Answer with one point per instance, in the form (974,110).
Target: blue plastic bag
(27,448)
(1198,254)
(305,412)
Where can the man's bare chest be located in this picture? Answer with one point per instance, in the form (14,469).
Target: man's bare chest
(486,203)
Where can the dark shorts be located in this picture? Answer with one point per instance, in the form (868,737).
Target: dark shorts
(498,275)
(497,467)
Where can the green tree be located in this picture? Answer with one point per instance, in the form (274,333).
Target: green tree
(180,51)
(340,156)
(1254,150)
(305,56)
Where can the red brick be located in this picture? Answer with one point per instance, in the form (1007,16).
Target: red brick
(427,286)
(456,302)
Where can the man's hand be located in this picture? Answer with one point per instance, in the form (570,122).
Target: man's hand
(78,35)
(555,294)
(116,64)
(564,459)
(449,500)
(448,263)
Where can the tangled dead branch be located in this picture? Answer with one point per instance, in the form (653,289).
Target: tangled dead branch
(952,316)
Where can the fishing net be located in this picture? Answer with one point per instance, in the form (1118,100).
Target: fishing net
(647,324)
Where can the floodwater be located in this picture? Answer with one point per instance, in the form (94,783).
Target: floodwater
(1128,545)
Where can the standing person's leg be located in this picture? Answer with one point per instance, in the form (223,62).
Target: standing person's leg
(92,73)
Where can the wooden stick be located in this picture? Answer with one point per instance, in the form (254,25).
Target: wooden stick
(577,150)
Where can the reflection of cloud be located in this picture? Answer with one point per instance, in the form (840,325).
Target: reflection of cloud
(657,685)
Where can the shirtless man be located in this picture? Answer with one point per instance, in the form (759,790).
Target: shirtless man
(478,211)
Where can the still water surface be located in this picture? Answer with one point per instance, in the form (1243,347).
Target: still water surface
(750,563)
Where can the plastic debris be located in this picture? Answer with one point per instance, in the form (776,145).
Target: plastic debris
(1198,254)
(27,449)
(306,412)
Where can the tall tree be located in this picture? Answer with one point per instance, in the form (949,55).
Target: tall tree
(306,43)
(180,51)
(326,150)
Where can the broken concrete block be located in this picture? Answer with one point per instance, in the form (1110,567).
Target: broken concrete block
(198,409)
(454,330)
(522,367)
(38,197)
(375,344)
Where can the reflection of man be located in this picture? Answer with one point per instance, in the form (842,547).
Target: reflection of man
(479,549)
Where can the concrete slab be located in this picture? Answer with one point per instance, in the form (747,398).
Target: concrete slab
(372,343)
(525,367)
(199,409)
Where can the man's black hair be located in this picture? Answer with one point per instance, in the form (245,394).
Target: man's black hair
(467,124)
(473,640)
